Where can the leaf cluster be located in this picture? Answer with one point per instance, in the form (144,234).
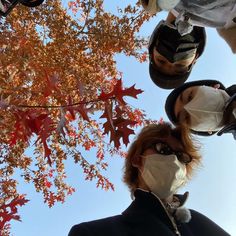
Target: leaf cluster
(58,74)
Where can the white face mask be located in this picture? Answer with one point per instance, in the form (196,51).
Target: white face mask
(206,109)
(163,174)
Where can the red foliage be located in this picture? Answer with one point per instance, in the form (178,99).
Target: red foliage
(117,125)
(119,92)
(32,122)
(72,109)
(9,211)
(57,76)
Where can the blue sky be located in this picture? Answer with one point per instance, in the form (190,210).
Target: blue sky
(212,190)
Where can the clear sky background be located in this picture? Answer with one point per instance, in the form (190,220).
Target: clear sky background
(212,190)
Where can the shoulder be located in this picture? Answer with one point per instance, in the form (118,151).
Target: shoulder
(231,90)
(96,227)
(202,224)
(80,229)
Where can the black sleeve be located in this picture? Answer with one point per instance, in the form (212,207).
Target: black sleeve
(79,230)
(231,90)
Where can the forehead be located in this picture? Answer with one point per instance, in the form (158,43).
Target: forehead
(173,142)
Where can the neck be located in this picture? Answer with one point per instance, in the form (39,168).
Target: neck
(165,201)
(168,199)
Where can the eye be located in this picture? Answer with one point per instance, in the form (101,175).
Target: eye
(184,157)
(160,61)
(164,149)
(158,147)
(190,96)
(187,95)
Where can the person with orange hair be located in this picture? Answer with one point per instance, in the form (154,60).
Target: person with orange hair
(159,162)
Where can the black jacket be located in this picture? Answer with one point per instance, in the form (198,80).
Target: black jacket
(147,216)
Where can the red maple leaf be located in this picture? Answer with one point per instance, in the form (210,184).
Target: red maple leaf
(24,126)
(82,111)
(117,126)
(52,81)
(35,121)
(9,211)
(32,122)
(122,125)
(44,134)
(118,92)
(81,108)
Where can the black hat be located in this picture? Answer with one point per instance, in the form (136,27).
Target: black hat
(172,97)
(172,81)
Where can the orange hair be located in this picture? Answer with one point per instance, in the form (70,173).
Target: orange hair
(150,134)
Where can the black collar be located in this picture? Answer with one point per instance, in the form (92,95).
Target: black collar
(147,206)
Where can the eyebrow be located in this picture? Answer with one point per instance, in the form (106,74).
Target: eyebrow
(160,64)
(181,97)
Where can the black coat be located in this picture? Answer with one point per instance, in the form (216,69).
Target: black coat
(147,216)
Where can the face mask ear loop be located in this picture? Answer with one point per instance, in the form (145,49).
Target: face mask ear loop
(136,161)
(143,159)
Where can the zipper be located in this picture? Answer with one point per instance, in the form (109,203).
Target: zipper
(167,213)
(171,219)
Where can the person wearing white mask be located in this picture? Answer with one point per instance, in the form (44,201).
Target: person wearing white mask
(205,106)
(158,163)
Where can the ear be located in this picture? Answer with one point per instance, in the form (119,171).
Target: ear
(137,161)
(195,59)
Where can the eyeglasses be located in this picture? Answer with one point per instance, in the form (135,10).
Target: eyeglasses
(165,149)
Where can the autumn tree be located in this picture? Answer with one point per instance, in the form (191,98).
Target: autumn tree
(61,94)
